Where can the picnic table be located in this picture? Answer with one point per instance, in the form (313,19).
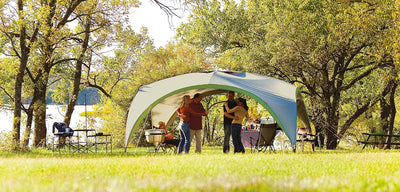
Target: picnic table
(250,138)
(376,139)
(81,140)
(101,139)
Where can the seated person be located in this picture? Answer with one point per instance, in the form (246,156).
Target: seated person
(302,131)
(62,129)
(169,137)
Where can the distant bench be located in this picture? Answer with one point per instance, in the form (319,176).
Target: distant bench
(375,141)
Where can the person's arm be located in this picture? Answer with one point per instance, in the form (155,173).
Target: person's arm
(197,114)
(247,116)
(202,109)
(170,135)
(230,110)
(229,115)
(181,113)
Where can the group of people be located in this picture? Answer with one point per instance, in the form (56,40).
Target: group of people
(190,113)
(234,113)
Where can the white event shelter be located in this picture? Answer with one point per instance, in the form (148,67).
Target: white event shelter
(282,100)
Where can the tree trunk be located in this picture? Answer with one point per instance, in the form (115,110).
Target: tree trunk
(385,113)
(331,138)
(19,79)
(29,120)
(18,105)
(77,76)
(39,133)
(213,129)
(332,128)
(392,114)
(206,132)
(40,130)
(28,129)
(75,93)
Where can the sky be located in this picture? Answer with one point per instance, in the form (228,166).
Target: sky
(148,14)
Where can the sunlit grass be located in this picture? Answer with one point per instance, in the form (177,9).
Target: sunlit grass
(140,170)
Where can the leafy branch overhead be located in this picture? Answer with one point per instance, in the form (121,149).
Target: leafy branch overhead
(326,47)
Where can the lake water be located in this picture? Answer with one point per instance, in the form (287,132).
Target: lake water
(55,113)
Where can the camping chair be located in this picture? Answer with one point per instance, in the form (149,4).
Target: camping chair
(266,137)
(64,133)
(168,147)
(304,136)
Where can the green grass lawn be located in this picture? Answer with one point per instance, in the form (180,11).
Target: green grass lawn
(139,170)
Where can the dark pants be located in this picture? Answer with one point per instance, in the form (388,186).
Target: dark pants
(227,136)
(237,138)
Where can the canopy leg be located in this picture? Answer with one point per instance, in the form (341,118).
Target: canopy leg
(144,125)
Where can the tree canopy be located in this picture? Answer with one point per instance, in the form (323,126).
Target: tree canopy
(326,47)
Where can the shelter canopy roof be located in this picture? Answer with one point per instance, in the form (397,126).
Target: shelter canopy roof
(163,97)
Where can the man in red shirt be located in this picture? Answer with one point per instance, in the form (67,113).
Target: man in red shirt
(195,122)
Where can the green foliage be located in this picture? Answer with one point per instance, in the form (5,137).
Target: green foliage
(173,60)
(6,143)
(116,74)
(7,76)
(326,47)
(53,39)
(146,66)
(61,92)
(112,119)
(256,110)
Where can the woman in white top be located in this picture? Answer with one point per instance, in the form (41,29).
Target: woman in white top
(240,113)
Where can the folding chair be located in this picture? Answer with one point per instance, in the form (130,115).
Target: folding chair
(168,147)
(63,135)
(266,137)
(304,136)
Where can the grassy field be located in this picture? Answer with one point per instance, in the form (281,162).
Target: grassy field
(139,170)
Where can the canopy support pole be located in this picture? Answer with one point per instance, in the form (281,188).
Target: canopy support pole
(144,125)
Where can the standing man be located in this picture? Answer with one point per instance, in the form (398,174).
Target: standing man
(195,122)
(228,117)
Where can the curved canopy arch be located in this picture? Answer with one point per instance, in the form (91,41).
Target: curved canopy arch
(163,97)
